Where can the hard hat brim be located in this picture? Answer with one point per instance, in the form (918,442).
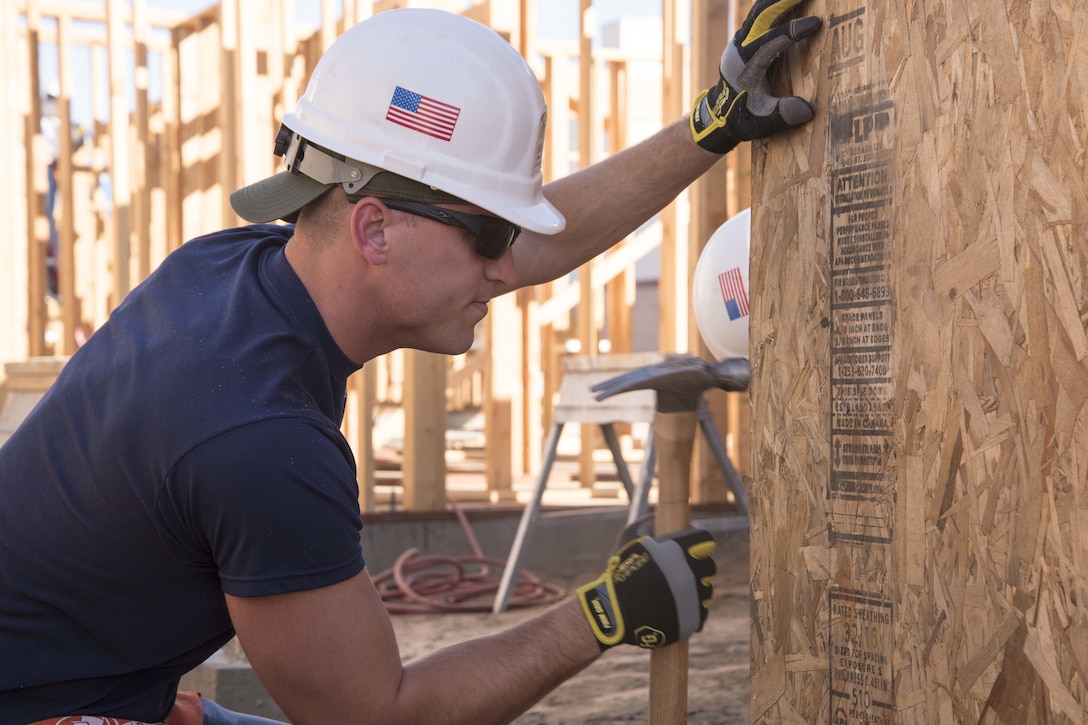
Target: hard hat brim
(277,197)
(541,217)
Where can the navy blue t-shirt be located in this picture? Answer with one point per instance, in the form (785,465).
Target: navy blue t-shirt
(190,448)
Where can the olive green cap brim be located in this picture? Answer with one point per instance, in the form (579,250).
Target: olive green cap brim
(282,196)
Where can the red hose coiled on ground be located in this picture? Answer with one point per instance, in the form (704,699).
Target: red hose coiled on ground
(436,584)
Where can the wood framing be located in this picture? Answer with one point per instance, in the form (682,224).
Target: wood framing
(13,214)
(184,109)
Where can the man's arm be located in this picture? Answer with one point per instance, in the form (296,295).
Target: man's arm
(610,199)
(330,655)
(607,201)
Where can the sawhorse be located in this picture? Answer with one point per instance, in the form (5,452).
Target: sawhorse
(578,405)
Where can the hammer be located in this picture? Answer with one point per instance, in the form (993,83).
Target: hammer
(679,382)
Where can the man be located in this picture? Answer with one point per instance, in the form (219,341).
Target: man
(185,479)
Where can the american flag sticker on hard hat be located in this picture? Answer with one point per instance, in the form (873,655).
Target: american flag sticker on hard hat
(733,293)
(420,113)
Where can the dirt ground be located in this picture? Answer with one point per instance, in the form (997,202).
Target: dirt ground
(615,688)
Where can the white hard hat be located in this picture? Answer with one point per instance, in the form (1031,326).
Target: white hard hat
(720,288)
(435,100)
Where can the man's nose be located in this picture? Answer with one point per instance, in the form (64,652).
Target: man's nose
(503,269)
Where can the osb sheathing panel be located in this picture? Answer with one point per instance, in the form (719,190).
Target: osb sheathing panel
(920,390)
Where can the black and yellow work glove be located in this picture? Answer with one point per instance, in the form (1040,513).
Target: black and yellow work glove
(740,107)
(654,592)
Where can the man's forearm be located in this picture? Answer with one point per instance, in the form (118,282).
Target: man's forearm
(494,679)
(608,200)
(330,655)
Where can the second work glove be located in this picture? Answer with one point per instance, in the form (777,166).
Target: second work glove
(740,107)
(654,592)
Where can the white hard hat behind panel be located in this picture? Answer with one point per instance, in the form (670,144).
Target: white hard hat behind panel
(720,288)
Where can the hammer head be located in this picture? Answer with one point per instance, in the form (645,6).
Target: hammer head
(680,380)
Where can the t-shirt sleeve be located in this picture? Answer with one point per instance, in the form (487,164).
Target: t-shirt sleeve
(273,504)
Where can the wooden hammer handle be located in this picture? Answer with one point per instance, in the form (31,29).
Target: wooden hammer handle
(675,438)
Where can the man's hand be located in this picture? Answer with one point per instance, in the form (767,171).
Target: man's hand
(740,107)
(654,592)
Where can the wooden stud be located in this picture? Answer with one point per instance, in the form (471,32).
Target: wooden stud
(424,472)
(35,194)
(710,196)
(532,380)
(358,428)
(587,331)
(141,190)
(673,286)
(14,212)
(620,291)
(120,174)
(502,403)
(675,436)
(229,155)
(66,209)
(171,150)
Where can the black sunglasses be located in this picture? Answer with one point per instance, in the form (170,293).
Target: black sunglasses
(493,235)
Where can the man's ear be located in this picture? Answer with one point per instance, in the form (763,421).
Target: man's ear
(368,218)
